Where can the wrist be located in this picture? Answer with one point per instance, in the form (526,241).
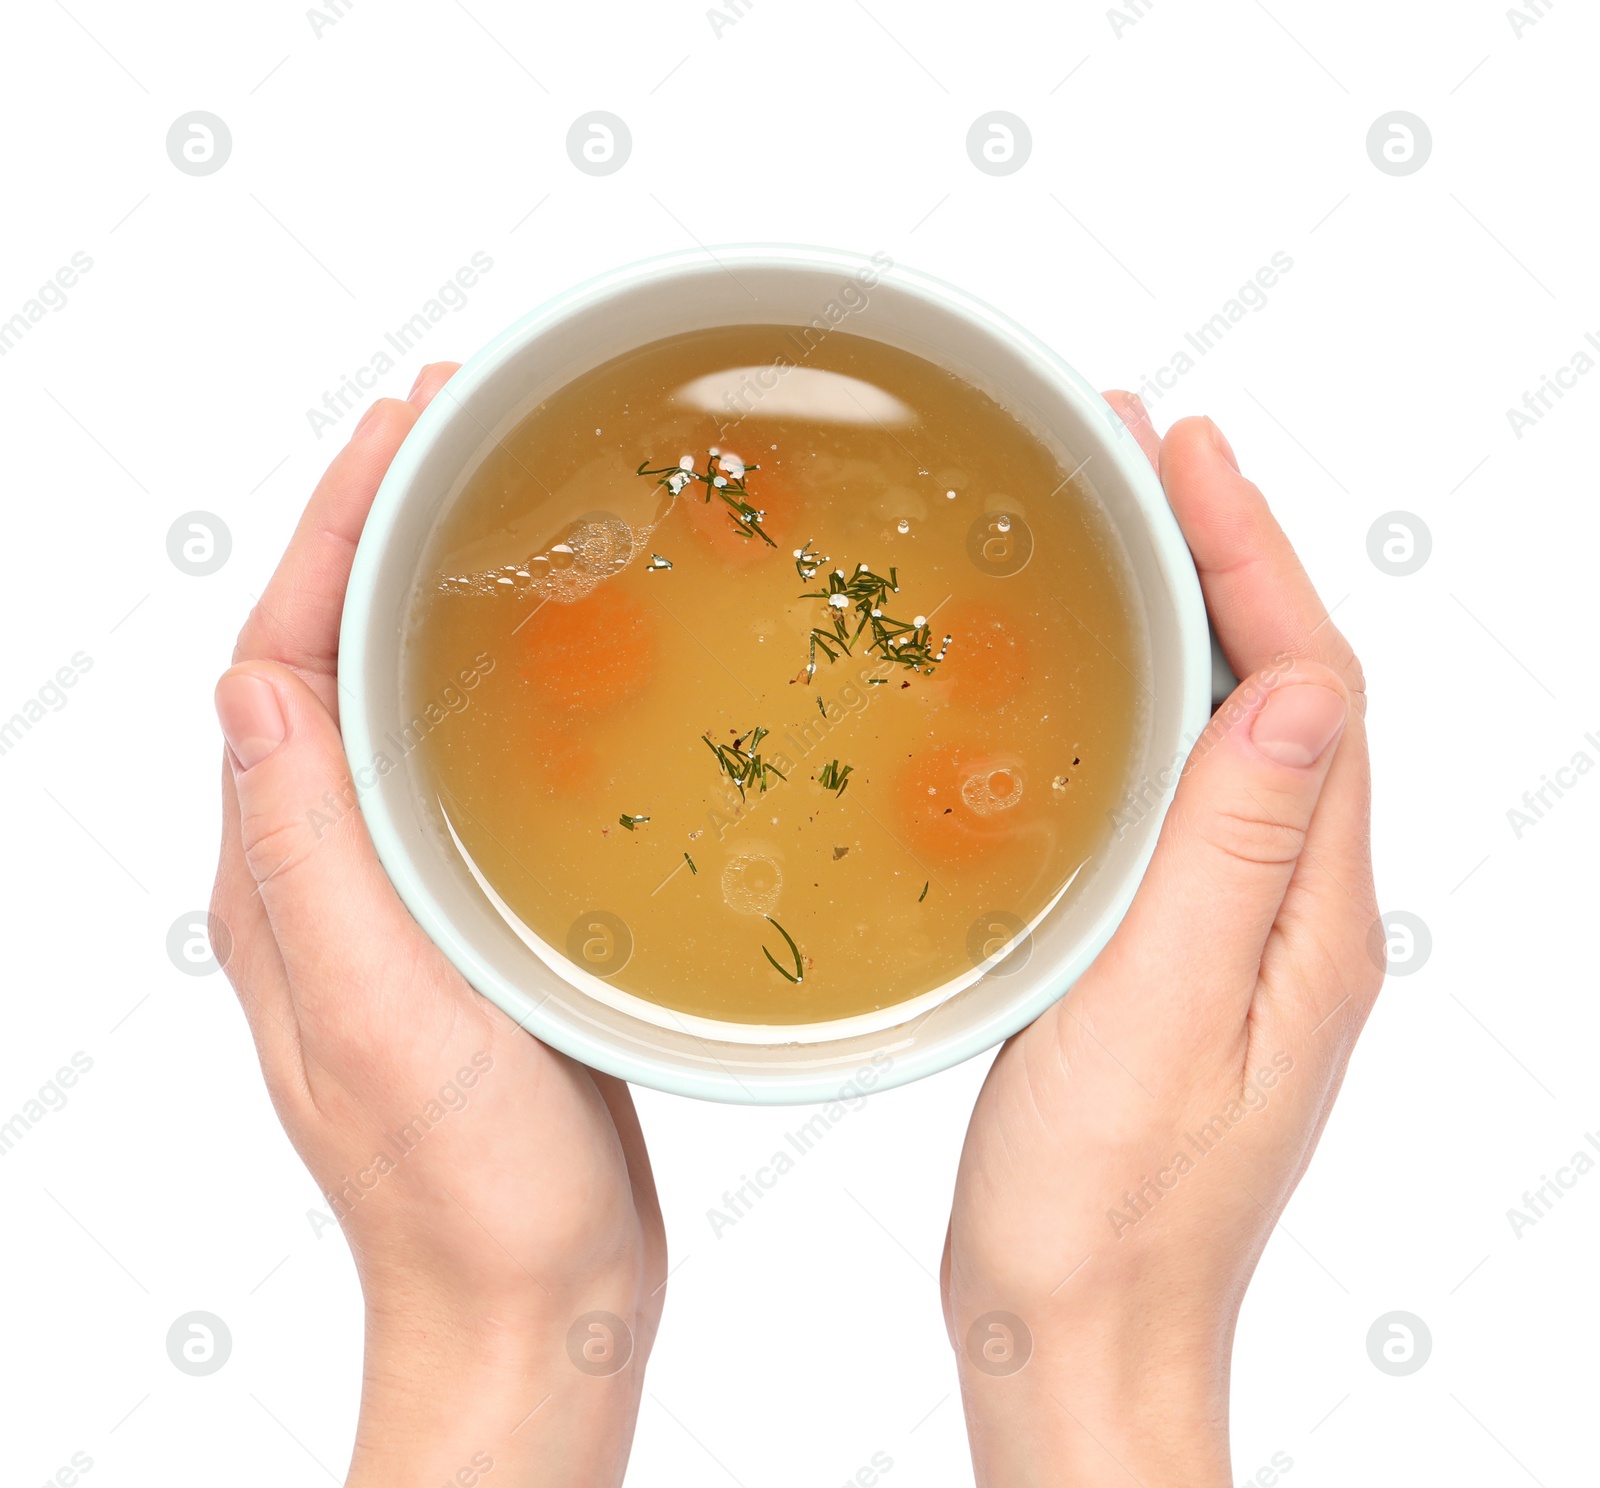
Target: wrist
(547,1397)
(1060,1404)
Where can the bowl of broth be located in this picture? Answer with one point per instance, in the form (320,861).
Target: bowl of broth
(764,674)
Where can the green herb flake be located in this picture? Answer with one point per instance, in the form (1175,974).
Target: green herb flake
(924,894)
(901,643)
(807,561)
(799,973)
(632,822)
(742,763)
(726,481)
(832,777)
(690,861)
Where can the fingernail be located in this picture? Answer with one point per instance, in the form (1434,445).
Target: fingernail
(364,420)
(411,397)
(1138,402)
(1297,724)
(1220,443)
(251,717)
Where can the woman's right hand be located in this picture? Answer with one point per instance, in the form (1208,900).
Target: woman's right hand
(1131,1151)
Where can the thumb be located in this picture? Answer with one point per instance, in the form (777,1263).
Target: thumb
(333,911)
(1236,830)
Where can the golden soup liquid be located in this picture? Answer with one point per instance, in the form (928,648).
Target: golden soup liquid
(628,634)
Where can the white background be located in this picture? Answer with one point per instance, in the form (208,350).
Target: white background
(369,163)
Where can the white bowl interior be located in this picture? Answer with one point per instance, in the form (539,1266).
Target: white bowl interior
(619,313)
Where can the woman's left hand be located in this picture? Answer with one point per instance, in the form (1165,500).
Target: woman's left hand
(496,1195)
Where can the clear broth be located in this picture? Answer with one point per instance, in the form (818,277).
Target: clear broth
(560,682)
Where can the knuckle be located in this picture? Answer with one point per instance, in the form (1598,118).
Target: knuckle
(1347,665)
(274,847)
(1356,681)
(1355,675)
(250,642)
(264,637)
(1252,836)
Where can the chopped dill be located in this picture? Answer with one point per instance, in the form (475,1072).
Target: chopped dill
(807,561)
(745,766)
(799,973)
(690,861)
(827,641)
(924,894)
(831,777)
(723,478)
(822,707)
(899,642)
(631,822)
(658,564)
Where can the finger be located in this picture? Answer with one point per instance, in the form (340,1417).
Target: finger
(254,966)
(1232,838)
(1259,597)
(1264,606)
(1328,912)
(429,380)
(1129,407)
(339,925)
(1332,888)
(296,620)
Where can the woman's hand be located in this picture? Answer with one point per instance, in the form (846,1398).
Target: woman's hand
(1132,1150)
(493,1191)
